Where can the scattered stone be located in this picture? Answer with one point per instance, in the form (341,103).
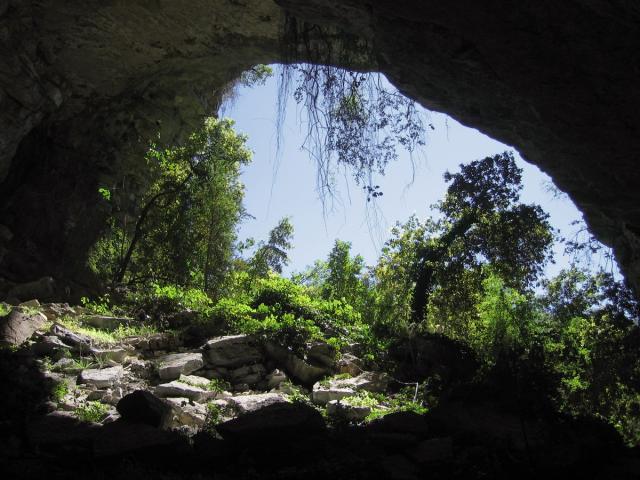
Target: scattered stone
(433,450)
(113,354)
(101,378)
(144,407)
(241,388)
(322,394)
(350,364)
(232,351)
(49,346)
(195,380)
(370,381)
(54,311)
(18,326)
(80,343)
(293,365)
(34,303)
(172,366)
(97,395)
(187,412)
(140,368)
(250,403)
(179,389)
(157,342)
(105,322)
(323,354)
(67,365)
(347,411)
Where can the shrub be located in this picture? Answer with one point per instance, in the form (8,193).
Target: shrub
(91,412)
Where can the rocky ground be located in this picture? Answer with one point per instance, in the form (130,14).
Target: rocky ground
(84,394)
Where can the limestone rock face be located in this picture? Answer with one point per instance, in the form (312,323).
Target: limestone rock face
(172,366)
(559,84)
(18,326)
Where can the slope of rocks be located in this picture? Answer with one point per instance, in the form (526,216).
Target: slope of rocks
(151,407)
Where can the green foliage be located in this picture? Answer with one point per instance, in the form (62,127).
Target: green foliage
(218,385)
(100,306)
(59,391)
(180,227)
(105,193)
(91,412)
(256,75)
(214,416)
(5,309)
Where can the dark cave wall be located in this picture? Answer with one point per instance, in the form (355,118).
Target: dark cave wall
(84,84)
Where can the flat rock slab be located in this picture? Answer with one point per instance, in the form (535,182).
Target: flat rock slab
(115,354)
(172,366)
(251,403)
(232,351)
(323,395)
(195,380)
(18,326)
(370,381)
(101,378)
(180,389)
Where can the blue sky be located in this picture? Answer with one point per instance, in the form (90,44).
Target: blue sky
(287,186)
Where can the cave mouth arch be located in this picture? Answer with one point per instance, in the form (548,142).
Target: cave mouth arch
(78,97)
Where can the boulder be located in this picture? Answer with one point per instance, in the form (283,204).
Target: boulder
(195,380)
(250,403)
(322,354)
(323,394)
(166,341)
(80,343)
(113,354)
(18,326)
(101,378)
(180,389)
(49,346)
(144,407)
(170,367)
(232,351)
(186,412)
(369,381)
(350,364)
(295,367)
(346,411)
(276,422)
(33,303)
(249,374)
(105,322)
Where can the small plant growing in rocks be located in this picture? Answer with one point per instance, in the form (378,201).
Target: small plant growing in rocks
(218,385)
(91,412)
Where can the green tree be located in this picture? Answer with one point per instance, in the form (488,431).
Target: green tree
(273,255)
(185,219)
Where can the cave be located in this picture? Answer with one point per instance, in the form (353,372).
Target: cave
(85,85)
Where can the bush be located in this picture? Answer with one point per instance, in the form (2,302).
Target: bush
(91,412)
